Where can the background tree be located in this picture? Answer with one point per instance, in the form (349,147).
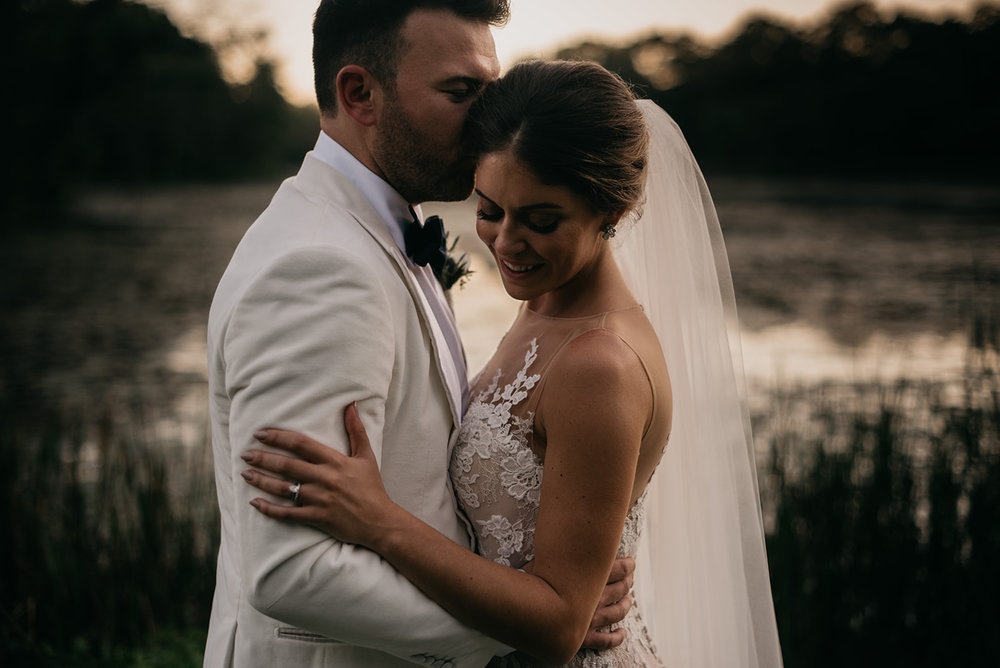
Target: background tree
(109,91)
(860,93)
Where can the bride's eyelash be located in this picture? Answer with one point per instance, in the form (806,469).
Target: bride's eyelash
(491,217)
(549,226)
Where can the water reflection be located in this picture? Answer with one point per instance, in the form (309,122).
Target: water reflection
(850,282)
(836,282)
(775,358)
(792,354)
(799,353)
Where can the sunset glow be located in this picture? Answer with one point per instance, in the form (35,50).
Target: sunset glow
(536,27)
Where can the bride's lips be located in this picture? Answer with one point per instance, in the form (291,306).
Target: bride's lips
(516,269)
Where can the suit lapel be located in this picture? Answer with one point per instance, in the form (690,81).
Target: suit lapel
(320,179)
(444,362)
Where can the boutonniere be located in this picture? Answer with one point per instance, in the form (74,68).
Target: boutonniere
(455,268)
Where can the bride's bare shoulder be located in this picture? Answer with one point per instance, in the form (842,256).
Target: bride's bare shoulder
(598,363)
(596,402)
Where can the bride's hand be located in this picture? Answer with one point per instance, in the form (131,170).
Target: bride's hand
(340,495)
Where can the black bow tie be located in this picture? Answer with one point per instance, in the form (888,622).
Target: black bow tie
(426,244)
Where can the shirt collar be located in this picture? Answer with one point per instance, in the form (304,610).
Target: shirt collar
(388,204)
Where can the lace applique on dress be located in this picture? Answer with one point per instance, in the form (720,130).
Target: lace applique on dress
(498,481)
(495,471)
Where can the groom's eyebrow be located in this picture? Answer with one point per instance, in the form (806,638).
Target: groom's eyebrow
(472,82)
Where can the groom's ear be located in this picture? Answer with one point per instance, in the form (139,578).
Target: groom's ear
(355,93)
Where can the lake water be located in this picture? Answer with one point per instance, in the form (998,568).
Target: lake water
(837,282)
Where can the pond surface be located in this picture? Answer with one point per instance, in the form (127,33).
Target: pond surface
(836,281)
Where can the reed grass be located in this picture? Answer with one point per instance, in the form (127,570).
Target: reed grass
(111,534)
(884,522)
(882,506)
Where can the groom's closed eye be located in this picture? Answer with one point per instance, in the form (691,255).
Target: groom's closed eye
(463,89)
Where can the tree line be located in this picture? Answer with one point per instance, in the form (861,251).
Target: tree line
(110,91)
(860,93)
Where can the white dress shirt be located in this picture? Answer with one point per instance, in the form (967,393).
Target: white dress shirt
(395,213)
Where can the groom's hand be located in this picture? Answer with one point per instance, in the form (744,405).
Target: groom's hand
(615,603)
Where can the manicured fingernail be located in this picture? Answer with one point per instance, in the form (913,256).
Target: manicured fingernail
(247,475)
(246,456)
(260,435)
(256,504)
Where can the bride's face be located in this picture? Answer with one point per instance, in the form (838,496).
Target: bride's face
(545,239)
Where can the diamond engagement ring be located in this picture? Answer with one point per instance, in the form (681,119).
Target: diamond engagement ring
(294,491)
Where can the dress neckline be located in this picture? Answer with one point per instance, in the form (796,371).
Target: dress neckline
(582,317)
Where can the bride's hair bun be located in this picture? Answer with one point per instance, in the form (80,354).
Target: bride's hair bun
(573,124)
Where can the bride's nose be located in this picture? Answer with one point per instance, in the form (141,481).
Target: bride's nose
(508,240)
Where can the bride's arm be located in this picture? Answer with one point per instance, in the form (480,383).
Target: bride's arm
(595,410)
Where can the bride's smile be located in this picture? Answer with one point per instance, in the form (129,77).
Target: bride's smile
(546,239)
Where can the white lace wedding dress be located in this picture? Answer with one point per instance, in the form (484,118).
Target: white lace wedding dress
(498,475)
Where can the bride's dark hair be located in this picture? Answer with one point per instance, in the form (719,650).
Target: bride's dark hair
(573,124)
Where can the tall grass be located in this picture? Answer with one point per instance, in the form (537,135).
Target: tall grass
(883,509)
(111,535)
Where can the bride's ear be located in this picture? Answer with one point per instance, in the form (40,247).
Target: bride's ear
(356,94)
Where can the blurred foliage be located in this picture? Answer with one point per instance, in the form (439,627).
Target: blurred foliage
(860,93)
(885,531)
(109,91)
(883,512)
(114,536)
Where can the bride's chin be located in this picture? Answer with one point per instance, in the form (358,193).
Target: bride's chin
(517,292)
(513,292)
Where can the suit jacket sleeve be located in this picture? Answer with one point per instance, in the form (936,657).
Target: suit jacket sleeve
(311,334)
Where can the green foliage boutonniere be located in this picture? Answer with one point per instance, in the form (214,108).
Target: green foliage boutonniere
(455,269)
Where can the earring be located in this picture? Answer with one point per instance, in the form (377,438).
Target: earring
(608,231)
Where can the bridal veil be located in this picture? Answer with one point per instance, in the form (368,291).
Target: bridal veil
(702,578)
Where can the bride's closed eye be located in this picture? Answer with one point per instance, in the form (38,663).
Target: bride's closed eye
(492,215)
(543,223)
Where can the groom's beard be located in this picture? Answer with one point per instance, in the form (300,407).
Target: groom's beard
(417,166)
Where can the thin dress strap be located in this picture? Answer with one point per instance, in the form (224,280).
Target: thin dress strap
(595,323)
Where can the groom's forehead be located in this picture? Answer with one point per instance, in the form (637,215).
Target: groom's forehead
(454,67)
(452,46)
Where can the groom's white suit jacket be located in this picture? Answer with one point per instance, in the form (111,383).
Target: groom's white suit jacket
(318,309)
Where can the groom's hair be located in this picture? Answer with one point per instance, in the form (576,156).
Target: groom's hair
(367,33)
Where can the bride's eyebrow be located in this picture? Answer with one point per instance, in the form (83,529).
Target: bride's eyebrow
(540,205)
(524,209)
(480,193)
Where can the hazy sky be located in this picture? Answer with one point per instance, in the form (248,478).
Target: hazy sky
(536,26)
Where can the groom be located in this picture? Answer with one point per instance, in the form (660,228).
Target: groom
(321,306)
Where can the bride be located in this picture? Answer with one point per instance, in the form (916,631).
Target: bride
(623,361)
